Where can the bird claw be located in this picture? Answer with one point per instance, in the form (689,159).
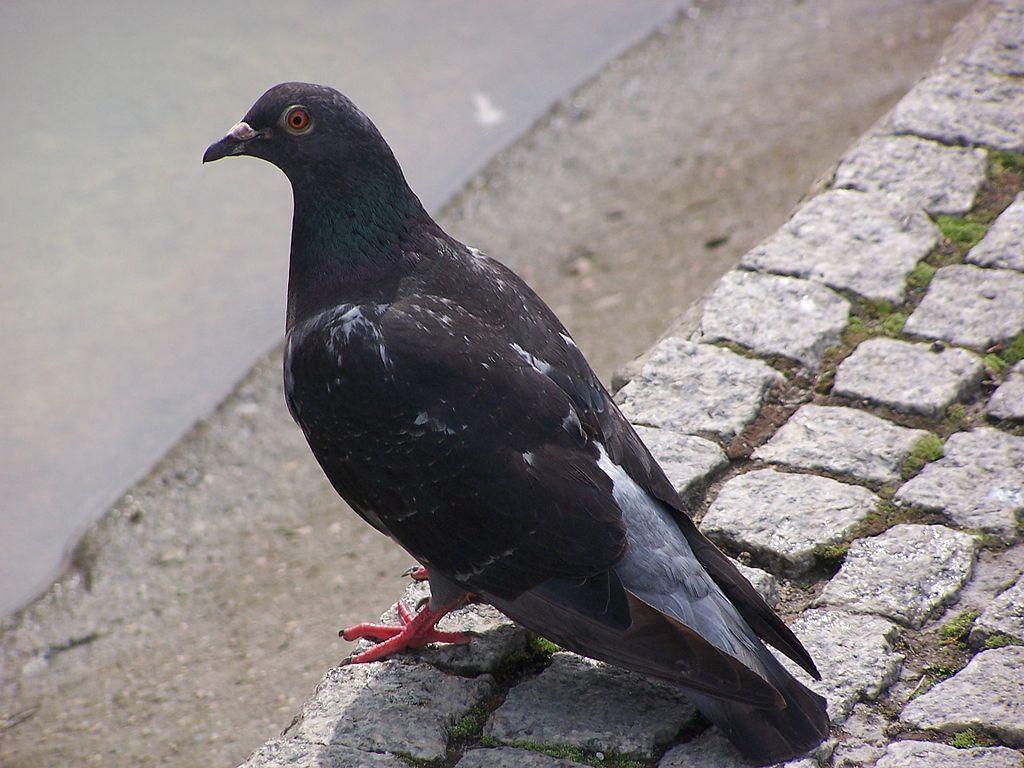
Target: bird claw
(415,630)
(416,573)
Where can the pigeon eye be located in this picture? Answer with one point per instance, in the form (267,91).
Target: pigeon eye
(297,120)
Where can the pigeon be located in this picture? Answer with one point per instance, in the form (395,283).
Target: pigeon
(454,413)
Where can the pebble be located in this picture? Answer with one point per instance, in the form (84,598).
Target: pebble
(906,573)
(978,483)
(773,315)
(587,704)
(845,441)
(987,694)
(908,376)
(888,236)
(784,518)
(697,388)
(970,306)
(1001,246)
(926,174)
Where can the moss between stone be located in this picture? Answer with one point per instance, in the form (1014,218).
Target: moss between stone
(933,674)
(956,416)
(958,629)
(1000,640)
(831,556)
(963,231)
(921,275)
(579,755)
(995,364)
(1002,162)
(926,450)
(1013,351)
(471,725)
(965,739)
(528,660)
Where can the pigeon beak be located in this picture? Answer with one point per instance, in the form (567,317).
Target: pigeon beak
(232,144)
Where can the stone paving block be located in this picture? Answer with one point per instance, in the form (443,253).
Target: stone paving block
(766,585)
(978,483)
(842,440)
(508,757)
(906,573)
(855,655)
(690,388)
(1007,402)
(964,104)
(1003,616)
(584,703)
(496,637)
(1003,245)
(987,694)
(712,750)
(775,315)
(392,705)
(863,739)
(688,460)
(863,242)
(914,377)
(999,48)
(970,306)
(926,174)
(926,754)
(782,518)
(290,753)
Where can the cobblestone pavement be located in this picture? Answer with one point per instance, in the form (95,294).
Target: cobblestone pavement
(848,422)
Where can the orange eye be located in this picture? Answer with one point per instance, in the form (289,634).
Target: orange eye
(297,119)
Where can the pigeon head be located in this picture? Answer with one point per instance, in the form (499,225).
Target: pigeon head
(314,134)
(353,207)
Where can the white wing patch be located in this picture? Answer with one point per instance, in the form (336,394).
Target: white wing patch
(535,362)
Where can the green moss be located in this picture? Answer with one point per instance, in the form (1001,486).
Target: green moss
(922,275)
(1013,352)
(956,414)
(565,752)
(856,326)
(933,675)
(996,364)
(893,324)
(965,739)
(963,232)
(469,726)
(958,629)
(1006,162)
(1000,640)
(925,450)
(831,556)
(533,657)
(545,646)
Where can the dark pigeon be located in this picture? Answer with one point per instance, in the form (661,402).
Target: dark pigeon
(452,410)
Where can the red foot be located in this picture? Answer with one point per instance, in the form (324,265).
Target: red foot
(415,632)
(417,573)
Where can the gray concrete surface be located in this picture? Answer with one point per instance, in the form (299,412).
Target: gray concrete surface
(200,612)
(139,287)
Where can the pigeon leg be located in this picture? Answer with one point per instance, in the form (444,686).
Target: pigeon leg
(416,630)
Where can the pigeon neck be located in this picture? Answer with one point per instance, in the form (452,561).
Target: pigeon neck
(348,242)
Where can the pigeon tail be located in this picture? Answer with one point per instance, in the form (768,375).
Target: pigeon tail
(686,630)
